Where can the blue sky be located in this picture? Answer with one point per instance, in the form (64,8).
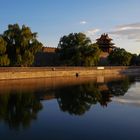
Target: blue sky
(54,18)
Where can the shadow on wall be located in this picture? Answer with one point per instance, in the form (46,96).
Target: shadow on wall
(46,59)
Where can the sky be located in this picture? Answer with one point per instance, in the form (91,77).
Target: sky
(53,19)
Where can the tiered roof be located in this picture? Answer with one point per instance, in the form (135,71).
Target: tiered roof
(105,42)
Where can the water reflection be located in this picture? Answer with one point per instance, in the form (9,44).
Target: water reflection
(78,99)
(120,87)
(19,107)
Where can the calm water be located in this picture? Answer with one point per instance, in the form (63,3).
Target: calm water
(100,108)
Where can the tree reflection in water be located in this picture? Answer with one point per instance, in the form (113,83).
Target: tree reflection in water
(19,109)
(78,99)
(120,87)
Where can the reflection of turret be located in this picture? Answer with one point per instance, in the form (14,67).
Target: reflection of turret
(78,99)
(106,98)
(19,106)
(75,98)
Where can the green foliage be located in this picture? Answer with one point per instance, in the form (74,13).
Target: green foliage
(28,58)
(135,59)
(77,50)
(22,45)
(138,60)
(4,60)
(120,57)
(91,55)
(2,46)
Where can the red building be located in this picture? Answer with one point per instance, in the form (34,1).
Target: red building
(105,44)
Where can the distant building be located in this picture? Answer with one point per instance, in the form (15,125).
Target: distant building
(49,56)
(106,46)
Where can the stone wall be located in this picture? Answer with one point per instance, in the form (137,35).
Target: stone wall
(49,72)
(47,57)
(49,49)
(103,59)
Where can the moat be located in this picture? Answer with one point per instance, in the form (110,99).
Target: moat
(81,108)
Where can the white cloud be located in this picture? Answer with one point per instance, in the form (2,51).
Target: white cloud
(92,32)
(129,26)
(83,22)
(131,31)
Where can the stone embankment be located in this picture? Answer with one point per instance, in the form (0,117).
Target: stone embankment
(49,72)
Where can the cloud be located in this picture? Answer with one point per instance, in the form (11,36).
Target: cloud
(83,22)
(129,26)
(92,32)
(131,31)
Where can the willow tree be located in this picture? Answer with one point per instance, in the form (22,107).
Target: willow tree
(77,50)
(22,45)
(4,60)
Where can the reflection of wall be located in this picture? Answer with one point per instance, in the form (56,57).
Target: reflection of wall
(74,95)
(31,85)
(100,79)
